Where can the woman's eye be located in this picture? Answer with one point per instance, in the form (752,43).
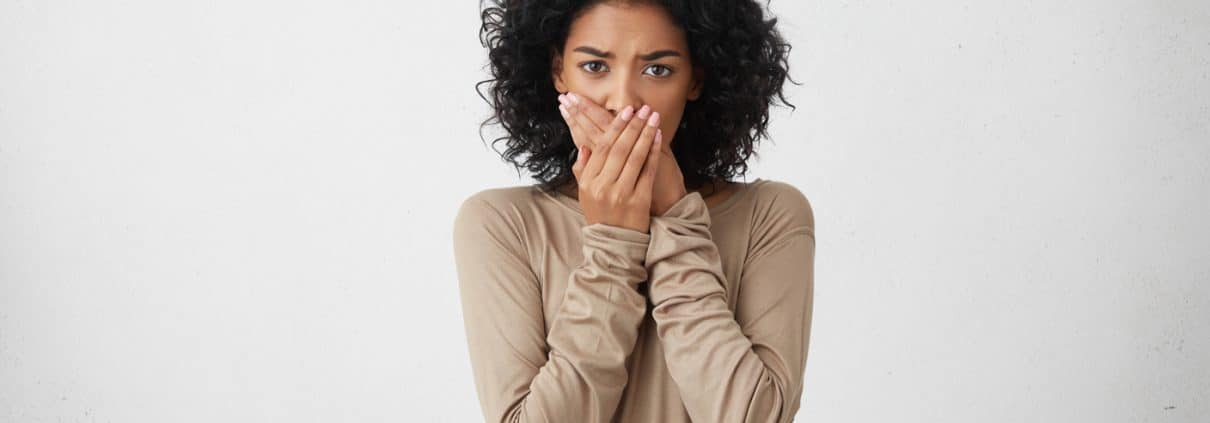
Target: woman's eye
(586,66)
(666,70)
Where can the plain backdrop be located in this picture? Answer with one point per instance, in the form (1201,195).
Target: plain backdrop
(241,210)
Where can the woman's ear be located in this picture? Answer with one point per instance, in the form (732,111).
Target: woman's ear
(556,71)
(699,79)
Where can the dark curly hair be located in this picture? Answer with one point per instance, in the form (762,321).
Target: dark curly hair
(742,53)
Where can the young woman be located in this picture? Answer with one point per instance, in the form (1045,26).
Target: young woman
(635,282)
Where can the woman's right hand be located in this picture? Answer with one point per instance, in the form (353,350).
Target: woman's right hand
(615,168)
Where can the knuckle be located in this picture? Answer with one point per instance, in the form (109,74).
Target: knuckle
(617,197)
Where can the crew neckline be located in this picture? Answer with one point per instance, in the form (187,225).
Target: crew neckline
(741,191)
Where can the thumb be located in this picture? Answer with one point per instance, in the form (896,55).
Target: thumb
(581,158)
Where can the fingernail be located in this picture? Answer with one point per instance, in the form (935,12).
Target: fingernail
(627,113)
(655,120)
(643,112)
(659,136)
(563,111)
(573,98)
(563,98)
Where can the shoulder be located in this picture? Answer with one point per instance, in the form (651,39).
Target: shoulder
(493,212)
(489,203)
(781,206)
(488,231)
(781,213)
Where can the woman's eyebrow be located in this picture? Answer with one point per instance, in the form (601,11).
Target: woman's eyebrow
(649,56)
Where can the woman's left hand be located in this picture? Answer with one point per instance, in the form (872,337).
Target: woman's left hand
(669,181)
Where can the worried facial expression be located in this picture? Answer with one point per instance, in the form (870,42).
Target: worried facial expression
(619,55)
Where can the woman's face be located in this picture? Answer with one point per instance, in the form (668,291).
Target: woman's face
(629,55)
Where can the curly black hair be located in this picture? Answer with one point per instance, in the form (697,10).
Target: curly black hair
(742,53)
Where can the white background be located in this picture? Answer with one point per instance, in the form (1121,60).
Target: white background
(241,210)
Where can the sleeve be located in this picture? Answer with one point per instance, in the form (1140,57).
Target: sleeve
(577,371)
(745,366)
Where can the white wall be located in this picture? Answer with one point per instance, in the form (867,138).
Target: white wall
(240,210)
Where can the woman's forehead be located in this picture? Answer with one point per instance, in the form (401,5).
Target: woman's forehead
(627,29)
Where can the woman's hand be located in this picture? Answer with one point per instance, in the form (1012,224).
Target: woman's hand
(616,172)
(669,184)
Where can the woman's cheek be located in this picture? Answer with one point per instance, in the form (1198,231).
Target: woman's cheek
(668,127)
(667,134)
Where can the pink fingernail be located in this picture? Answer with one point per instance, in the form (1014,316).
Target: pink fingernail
(643,112)
(628,112)
(659,136)
(573,98)
(563,111)
(655,119)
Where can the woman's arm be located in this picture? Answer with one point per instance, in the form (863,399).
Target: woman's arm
(745,366)
(576,372)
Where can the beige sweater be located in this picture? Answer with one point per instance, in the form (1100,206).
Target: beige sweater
(706,318)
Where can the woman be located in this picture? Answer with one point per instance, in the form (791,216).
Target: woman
(635,282)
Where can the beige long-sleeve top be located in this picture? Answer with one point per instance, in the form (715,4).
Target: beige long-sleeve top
(705,318)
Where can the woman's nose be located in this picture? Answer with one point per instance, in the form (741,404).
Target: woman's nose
(623,96)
